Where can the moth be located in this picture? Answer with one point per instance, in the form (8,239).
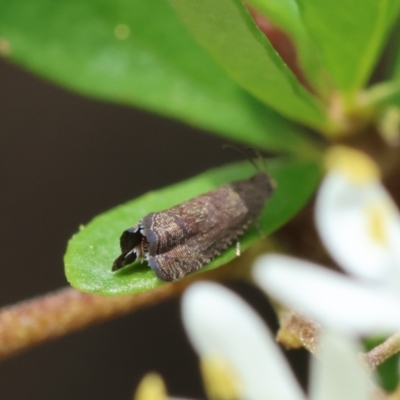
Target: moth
(184,238)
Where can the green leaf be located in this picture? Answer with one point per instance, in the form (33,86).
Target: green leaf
(91,251)
(349,35)
(383,94)
(227,31)
(394,55)
(81,45)
(285,14)
(389,374)
(390,67)
(282,13)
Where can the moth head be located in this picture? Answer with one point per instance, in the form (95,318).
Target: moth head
(133,246)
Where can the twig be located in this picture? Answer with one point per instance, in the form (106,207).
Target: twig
(67,310)
(381,353)
(64,311)
(297,331)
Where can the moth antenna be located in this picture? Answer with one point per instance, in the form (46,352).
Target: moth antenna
(249,159)
(260,231)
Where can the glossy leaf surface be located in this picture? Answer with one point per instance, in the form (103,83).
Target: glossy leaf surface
(285,15)
(349,35)
(136,52)
(226,29)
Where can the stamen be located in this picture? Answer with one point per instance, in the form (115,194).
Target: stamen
(151,387)
(356,165)
(377,226)
(220,382)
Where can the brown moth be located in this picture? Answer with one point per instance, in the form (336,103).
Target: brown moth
(182,239)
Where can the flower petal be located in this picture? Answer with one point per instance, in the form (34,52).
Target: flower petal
(220,324)
(338,374)
(359,222)
(330,298)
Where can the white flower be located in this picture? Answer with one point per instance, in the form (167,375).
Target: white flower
(332,299)
(226,332)
(357,219)
(360,226)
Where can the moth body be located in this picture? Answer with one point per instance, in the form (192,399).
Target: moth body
(182,239)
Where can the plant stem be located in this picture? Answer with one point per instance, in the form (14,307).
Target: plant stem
(297,331)
(67,310)
(64,311)
(381,353)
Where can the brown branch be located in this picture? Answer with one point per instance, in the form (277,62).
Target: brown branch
(381,353)
(297,331)
(67,310)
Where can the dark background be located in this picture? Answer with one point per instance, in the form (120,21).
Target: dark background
(64,159)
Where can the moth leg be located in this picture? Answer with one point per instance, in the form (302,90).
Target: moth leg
(260,231)
(238,249)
